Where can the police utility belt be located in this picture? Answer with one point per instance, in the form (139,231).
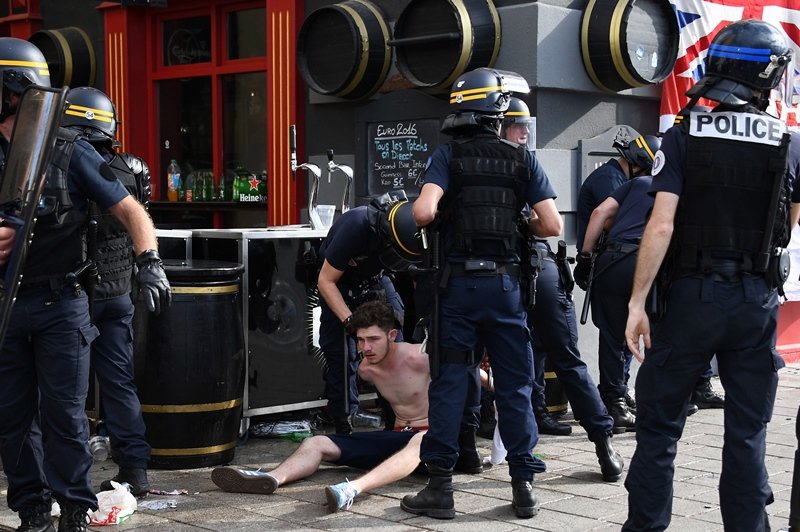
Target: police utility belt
(621,247)
(483,268)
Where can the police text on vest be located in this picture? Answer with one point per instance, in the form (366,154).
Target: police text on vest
(741,127)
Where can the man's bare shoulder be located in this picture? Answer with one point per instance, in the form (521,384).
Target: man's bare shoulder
(414,356)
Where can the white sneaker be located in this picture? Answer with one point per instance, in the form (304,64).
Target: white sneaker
(340,496)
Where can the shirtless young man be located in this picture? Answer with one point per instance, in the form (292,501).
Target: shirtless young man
(401,373)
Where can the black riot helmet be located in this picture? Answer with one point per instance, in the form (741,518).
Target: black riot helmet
(21,64)
(402,236)
(518,114)
(481,96)
(746,55)
(640,152)
(92,113)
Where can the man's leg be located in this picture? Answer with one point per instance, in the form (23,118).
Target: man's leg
(398,466)
(300,464)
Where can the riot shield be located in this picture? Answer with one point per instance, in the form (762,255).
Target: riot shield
(32,141)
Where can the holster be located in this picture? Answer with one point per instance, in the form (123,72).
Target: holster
(778,269)
(564,271)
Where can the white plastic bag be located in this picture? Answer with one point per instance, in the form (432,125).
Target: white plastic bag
(113,506)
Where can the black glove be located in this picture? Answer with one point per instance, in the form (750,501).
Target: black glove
(151,281)
(583,270)
(349,328)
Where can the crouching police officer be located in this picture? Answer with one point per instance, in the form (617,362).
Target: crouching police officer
(44,361)
(360,245)
(91,113)
(551,317)
(719,224)
(479,184)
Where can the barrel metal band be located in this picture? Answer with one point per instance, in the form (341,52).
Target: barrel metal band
(587,59)
(387,53)
(614,38)
(67,56)
(193,451)
(224,289)
(179,409)
(364,59)
(465,54)
(92,58)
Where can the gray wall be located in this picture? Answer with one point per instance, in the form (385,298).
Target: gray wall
(541,41)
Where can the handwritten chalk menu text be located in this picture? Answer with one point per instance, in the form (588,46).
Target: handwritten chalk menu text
(397,153)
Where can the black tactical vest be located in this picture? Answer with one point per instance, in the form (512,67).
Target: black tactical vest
(486,192)
(735,199)
(58,243)
(114,246)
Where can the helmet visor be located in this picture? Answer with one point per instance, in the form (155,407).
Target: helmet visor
(521,131)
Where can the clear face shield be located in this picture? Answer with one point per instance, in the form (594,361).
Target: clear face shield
(521,131)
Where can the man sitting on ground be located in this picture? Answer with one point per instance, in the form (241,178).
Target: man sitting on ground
(401,373)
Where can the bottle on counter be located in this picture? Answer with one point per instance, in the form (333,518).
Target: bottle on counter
(188,189)
(222,195)
(173,180)
(208,186)
(199,188)
(236,186)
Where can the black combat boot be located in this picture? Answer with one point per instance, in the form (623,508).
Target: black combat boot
(523,500)
(436,499)
(704,395)
(547,424)
(35,522)
(135,477)
(623,419)
(469,461)
(74,518)
(630,401)
(611,463)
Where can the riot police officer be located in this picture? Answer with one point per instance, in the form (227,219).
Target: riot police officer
(478,184)
(357,250)
(613,274)
(724,185)
(94,116)
(554,329)
(44,361)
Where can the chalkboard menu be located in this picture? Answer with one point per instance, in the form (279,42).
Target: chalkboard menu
(397,152)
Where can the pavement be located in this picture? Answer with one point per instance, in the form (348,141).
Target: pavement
(571,493)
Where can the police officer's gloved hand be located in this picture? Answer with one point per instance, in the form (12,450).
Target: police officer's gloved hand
(349,328)
(583,270)
(151,281)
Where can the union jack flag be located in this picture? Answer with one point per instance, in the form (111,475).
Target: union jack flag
(699,22)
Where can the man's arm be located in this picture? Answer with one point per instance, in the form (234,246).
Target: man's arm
(426,205)
(7,236)
(655,241)
(597,222)
(137,222)
(326,282)
(547,221)
(151,279)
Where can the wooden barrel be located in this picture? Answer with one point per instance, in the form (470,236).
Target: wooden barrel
(69,54)
(342,49)
(438,40)
(628,43)
(190,368)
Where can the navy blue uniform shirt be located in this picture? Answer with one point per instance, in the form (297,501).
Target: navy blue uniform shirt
(670,159)
(352,245)
(634,205)
(595,189)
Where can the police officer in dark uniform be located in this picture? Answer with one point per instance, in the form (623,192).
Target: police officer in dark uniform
(719,224)
(44,361)
(613,274)
(356,252)
(93,115)
(479,184)
(555,332)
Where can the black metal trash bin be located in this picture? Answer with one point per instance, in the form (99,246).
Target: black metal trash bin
(190,366)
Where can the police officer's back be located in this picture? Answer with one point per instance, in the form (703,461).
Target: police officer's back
(720,220)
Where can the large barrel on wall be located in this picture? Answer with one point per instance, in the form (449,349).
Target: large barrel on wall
(438,40)
(69,54)
(628,43)
(342,49)
(189,364)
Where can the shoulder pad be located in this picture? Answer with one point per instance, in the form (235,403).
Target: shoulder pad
(67,134)
(136,164)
